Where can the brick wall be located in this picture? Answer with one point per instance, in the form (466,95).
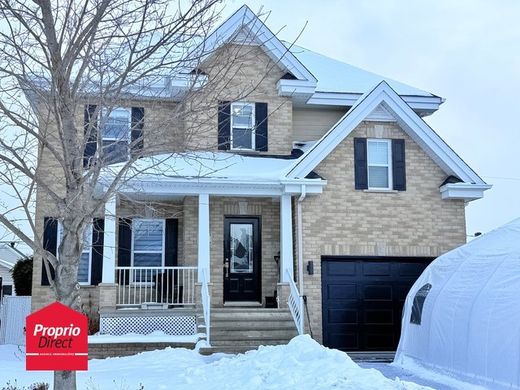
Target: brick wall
(269,212)
(345,221)
(246,74)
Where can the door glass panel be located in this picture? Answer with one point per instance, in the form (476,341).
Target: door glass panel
(241,244)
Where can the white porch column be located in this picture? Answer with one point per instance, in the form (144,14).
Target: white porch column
(286,238)
(204,237)
(109,242)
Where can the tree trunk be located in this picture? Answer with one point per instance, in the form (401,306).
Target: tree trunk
(67,286)
(64,380)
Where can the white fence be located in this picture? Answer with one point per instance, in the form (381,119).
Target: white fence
(13,311)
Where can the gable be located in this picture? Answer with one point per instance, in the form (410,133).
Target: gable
(245,27)
(383,95)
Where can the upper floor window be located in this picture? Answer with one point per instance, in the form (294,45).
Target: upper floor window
(116,134)
(379,162)
(243,126)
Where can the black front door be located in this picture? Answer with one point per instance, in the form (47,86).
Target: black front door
(242,259)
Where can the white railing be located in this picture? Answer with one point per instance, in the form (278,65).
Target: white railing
(169,286)
(295,302)
(206,304)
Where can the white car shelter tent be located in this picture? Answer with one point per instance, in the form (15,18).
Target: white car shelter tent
(463,313)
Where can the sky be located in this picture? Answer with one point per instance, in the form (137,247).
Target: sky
(468,52)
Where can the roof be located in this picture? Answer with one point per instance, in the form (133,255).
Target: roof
(340,77)
(8,256)
(207,165)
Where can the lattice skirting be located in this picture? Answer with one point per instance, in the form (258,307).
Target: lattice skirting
(174,325)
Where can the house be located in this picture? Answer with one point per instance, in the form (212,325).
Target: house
(461,315)
(323,193)
(8,258)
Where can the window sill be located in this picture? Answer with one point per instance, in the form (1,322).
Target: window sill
(382,191)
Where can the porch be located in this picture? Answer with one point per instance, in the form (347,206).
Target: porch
(177,247)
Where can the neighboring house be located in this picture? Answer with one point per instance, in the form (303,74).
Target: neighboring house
(326,175)
(8,258)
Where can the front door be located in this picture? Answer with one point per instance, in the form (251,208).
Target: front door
(242,259)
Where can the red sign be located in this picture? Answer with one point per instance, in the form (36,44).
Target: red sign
(56,339)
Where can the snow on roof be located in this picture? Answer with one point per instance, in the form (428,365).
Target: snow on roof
(207,165)
(9,256)
(340,77)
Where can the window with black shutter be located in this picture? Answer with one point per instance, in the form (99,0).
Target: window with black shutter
(379,164)
(243,126)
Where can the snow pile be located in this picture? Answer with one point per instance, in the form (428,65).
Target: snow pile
(303,364)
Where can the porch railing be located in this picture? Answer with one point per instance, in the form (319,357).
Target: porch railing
(206,305)
(169,286)
(295,302)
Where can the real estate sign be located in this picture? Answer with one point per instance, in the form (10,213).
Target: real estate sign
(56,339)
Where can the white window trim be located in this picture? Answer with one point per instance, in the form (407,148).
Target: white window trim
(389,165)
(105,116)
(162,251)
(89,250)
(253,127)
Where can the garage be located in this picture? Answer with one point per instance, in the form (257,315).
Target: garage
(363,298)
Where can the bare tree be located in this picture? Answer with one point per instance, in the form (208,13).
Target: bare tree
(56,57)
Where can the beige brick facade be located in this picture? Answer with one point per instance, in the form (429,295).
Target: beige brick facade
(345,221)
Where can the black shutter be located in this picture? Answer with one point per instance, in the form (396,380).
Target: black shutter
(398,165)
(50,244)
(360,163)
(224,125)
(261,127)
(90,134)
(124,246)
(171,236)
(96,270)
(137,130)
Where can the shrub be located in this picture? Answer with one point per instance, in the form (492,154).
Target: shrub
(22,276)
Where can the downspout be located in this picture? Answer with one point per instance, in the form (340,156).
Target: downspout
(300,238)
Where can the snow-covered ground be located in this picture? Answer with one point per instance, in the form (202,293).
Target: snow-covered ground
(422,376)
(303,364)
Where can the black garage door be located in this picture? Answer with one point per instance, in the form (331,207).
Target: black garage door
(363,300)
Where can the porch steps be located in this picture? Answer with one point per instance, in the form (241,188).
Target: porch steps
(237,330)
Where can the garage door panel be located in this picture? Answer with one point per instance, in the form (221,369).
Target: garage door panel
(376,269)
(413,270)
(344,340)
(379,341)
(377,293)
(363,300)
(342,291)
(343,316)
(379,317)
(337,269)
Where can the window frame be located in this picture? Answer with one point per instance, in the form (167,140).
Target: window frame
(163,246)
(253,125)
(89,250)
(105,115)
(388,165)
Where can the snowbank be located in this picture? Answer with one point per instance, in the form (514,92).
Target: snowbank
(303,364)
